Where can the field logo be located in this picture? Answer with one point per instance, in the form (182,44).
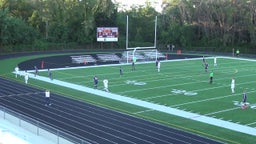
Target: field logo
(240,104)
(133,82)
(184,92)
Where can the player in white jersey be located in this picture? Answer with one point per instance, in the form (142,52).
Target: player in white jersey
(215,61)
(36,71)
(17,71)
(105,83)
(233,85)
(47,98)
(26,77)
(158,66)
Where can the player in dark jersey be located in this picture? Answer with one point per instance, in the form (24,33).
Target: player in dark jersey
(120,71)
(204,60)
(50,74)
(244,106)
(95,79)
(244,97)
(134,59)
(206,65)
(211,77)
(133,66)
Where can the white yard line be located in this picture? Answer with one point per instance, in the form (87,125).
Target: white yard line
(209,99)
(222,111)
(251,123)
(173,78)
(159,96)
(149,110)
(151,106)
(173,111)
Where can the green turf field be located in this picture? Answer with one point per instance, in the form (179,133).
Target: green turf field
(182,84)
(179,84)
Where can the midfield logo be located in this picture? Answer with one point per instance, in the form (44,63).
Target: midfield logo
(240,104)
(133,82)
(184,92)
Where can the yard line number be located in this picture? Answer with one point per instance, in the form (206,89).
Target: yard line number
(183,92)
(134,82)
(240,104)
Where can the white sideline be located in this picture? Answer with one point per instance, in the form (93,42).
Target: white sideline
(192,116)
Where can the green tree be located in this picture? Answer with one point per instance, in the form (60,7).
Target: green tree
(141,25)
(14,31)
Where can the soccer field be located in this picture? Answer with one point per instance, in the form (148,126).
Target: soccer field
(180,84)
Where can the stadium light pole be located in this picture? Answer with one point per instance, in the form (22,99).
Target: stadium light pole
(155,31)
(127,37)
(127,31)
(155,36)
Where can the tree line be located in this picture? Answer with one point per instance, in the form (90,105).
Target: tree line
(205,25)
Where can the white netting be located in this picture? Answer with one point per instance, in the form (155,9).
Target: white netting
(142,55)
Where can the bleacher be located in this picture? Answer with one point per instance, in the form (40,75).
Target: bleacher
(152,55)
(108,57)
(82,59)
(141,55)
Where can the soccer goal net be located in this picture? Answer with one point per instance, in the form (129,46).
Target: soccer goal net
(141,55)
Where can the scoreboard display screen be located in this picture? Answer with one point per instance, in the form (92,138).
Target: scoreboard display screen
(107,34)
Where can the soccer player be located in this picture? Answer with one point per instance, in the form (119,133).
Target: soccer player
(17,71)
(120,71)
(95,79)
(204,60)
(206,65)
(47,98)
(36,71)
(133,66)
(50,74)
(244,106)
(158,66)
(134,59)
(233,85)
(26,77)
(105,83)
(156,63)
(215,61)
(237,52)
(211,77)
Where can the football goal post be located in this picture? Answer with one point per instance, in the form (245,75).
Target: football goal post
(135,52)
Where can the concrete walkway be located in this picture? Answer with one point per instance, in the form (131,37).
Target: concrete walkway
(13,134)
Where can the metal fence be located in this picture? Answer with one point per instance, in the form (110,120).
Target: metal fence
(39,128)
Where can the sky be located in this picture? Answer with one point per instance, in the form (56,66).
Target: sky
(155,3)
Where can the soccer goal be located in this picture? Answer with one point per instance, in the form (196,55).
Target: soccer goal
(140,53)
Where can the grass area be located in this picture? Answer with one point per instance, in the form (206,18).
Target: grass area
(180,84)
